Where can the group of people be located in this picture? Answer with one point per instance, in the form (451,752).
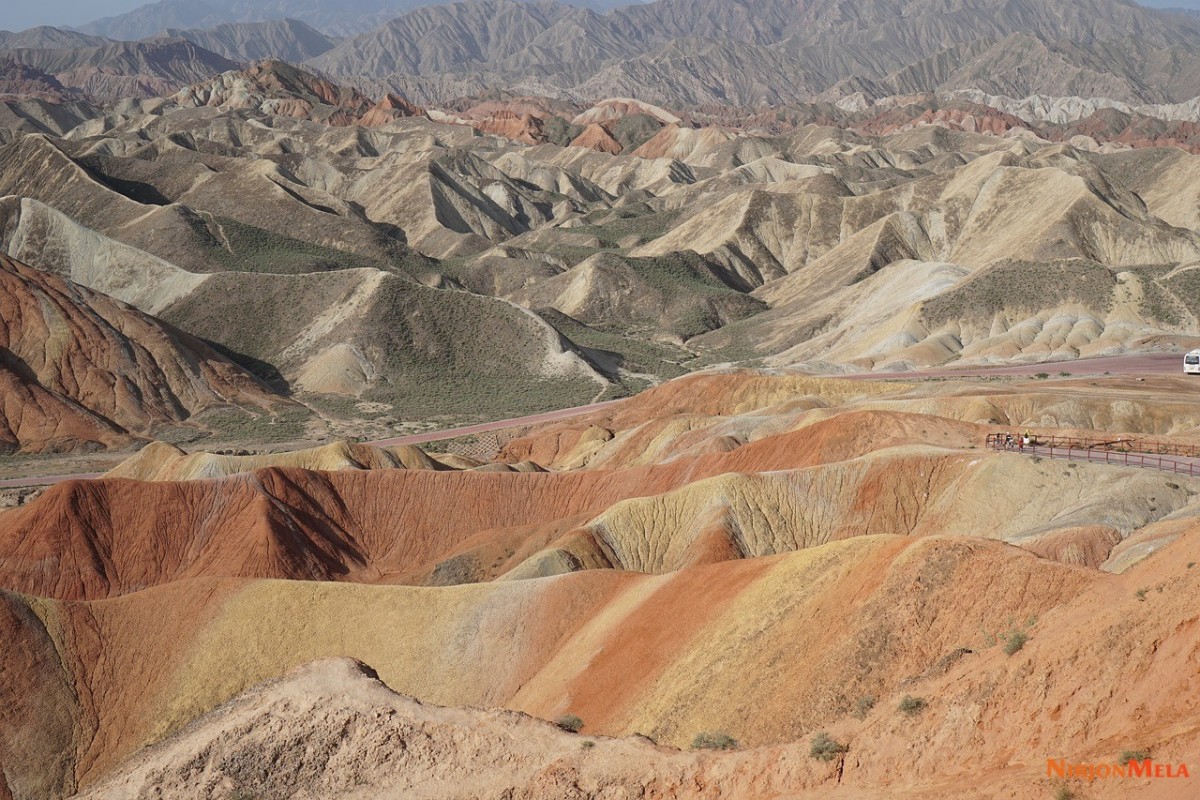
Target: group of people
(1018,441)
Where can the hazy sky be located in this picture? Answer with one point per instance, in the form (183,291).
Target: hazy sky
(16,15)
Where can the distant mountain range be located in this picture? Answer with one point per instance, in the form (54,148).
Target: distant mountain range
(777,51)
(58,63)
(675,53)
(333,17)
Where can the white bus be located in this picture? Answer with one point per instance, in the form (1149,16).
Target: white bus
(1191,363)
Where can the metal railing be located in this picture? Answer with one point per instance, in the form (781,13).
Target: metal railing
(1178,459)
(1127,444)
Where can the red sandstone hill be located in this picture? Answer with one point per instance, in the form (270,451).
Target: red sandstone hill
(676,492)
(768,556)
(742,647)
(81,370)
(596,137)
(391,107)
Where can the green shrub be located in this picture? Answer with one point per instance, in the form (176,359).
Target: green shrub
(716,740)
(1041,376)
(570,723)
(247,248)
(559,131)
(912,705)
(865,704)
(825,748)
(1013,640)
(634,130)
(1133,755)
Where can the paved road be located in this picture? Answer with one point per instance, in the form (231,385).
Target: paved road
(416,438)
(1150,364)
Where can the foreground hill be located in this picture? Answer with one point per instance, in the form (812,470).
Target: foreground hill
(683,582)
(85,371)
(662,493)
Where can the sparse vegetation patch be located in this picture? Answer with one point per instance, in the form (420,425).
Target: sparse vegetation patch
(717,740)
(570,723)
(1024,286)
(825,748)
(1133,755)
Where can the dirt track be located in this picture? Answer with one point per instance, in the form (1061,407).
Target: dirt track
(516,422)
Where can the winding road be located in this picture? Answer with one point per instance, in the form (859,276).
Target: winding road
(1145,364)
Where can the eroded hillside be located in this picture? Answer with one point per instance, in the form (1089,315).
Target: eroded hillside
(765,556)
(391,266)
(784,562)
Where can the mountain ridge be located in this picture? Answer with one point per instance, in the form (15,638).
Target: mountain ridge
(340,18)
(777,51)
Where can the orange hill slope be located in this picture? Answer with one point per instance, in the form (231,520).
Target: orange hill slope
(780,556)
(743,647)
(95,539)
(755,465)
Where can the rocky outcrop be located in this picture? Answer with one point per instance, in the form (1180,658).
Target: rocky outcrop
(275,88)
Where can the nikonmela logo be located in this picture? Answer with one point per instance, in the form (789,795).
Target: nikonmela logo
(1146,768)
